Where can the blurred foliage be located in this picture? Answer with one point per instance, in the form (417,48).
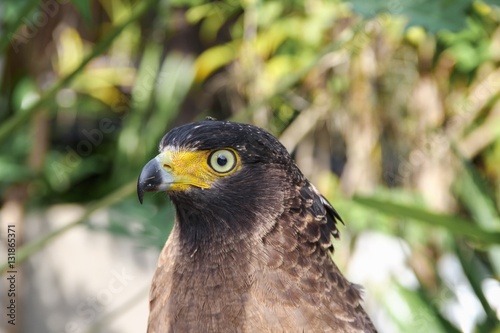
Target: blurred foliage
(434,15)
(395,104)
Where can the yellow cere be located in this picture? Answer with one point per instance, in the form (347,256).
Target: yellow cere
(192,168)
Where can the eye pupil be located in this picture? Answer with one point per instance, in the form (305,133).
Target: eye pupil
(221,160)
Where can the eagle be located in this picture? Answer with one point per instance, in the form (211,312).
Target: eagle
(251,248)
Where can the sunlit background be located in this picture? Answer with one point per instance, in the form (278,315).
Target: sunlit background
(391,108)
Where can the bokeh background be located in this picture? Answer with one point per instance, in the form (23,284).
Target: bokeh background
(391,108)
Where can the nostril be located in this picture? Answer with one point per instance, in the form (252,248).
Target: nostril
(167,166)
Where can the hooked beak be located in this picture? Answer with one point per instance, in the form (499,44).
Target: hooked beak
(153,178)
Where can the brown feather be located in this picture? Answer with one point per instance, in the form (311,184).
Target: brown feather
(253,253)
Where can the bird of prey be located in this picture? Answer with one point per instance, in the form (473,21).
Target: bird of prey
(251,246)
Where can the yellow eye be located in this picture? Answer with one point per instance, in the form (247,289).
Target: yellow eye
(222,161)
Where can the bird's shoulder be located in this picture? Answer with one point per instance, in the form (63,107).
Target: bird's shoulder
(298,286)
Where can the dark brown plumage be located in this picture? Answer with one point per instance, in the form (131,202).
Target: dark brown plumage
(251,247)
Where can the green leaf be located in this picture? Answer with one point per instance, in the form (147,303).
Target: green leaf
(473,191)
(434,15)
(214,58)
(185,3)
(476,272)
(11,171)
(10,125)
(454,224)
(14,16)
(414,313)
(491,2)
(83,7)
(477,197)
